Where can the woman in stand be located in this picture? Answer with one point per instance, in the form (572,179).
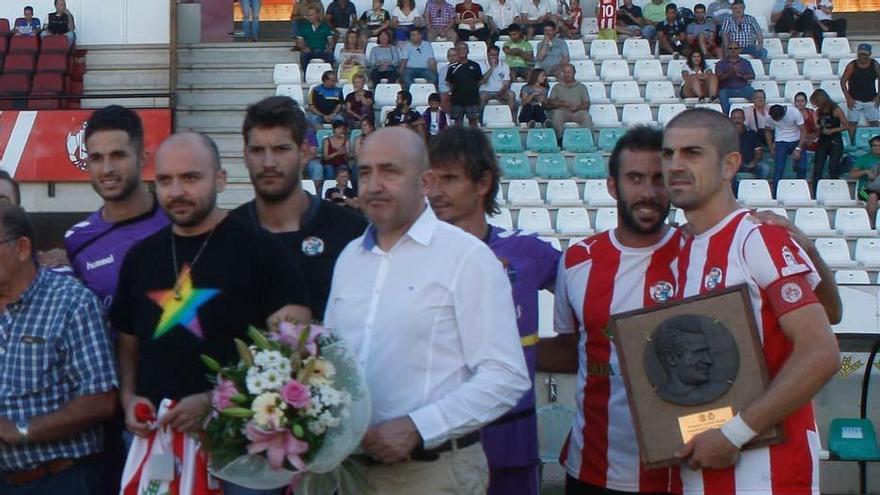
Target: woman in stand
(384,60)
(374,21)
(699,81)
(832,123)
(352,58)
(404,19)
(533,96)
(335,149)
(811,141)
(60,22)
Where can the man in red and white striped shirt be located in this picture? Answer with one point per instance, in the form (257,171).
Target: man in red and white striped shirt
(724,249)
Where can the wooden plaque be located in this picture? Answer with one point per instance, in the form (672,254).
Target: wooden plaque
(669,403)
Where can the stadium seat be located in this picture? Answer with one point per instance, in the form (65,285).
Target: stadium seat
(836,48)
(794,87)
(784,69)
(596,193)
(373,44)
(868,253)
(853,222)
(477,50)
(835,252)
(834,91)
(863,135)
(515,166)
(636,114)
(385,94)
(578,140)
(710,106)
(648,70)
(553,241)
(658,92)
(608,137)
(347,89)
(576,49)
(674,68)
(5,30)
(4,45)
(802,48)
(440,48)
(573,222)
(497,116)
(499,198)
(771,89)
(606,219)
(293,91)
(764,24)
(506,141)
(818,69)
(524,193)
(603,50)
(604,115)
(551,166)
(636,48)
(774,48)
(52,62)
(623,92)
(596,92)
(850,277)
(758,68)
(589,166)
(541,141)
(420,93)
(55,43)
(287,74)
(614,70)
(503,219)
(563,193)
(19,62)
(535,220)
(794,192)
(47,83)
(24,44)
(834,192)
(320,136)
(584,70)
(755,192)
(309,186)
(590,28)
(668,110)
(842,63)
(15,84)
(315,70)
(813,222)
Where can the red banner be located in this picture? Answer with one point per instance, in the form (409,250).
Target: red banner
(47,145)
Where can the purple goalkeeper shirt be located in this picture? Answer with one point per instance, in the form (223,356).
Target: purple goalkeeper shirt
(531,263)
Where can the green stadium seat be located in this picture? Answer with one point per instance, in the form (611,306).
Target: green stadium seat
(506,141)
(354,134)
(578,140)
(541,141)
(608,137)
(589,166)
(863,135)
(552,166)
(847,143)
(320,136)
(515,166)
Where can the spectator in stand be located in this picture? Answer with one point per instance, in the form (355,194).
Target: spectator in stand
(832,123)
(367,128)
(384,60)
(552,51)
(502,15)
(404,19)
(325,101)
(335,149)
(314,167)
(495,84)
(60,22)
(719,11)
(785,134)
(440,20)
(744,30)
(250,22)
(352,59)
(534,99)
(758,113)
(653,12)
(404,115)
(417,60)
(606,18)
(341,15)
(794,17)
(442,84)
(570,22)
(569,102)
(734,74)
(823,13)
(315,39)
(375,20)
(859,84)
(698,80)
(358,103)
(300,15)
(10,191)
(749,147)
(672,33)
(811,125)
(867,169)
(27,25)
(342,194)
(536,15)
(631,23)
(436,120)
(464,78)
(518,53)
(471,22)
(701,34)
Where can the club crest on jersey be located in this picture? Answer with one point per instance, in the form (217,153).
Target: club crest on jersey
(312,246)
(791,264)
(791,293)
(662,291)
(511,271)
(713,278)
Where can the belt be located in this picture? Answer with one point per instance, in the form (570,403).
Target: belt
(420,454)
(507,418)
(48,468)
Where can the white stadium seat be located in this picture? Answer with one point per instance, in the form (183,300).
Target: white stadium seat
(842,63)
(315,70)
(563,193)
(420,93)
(553,241)
(573,222)
(868,253)
(853,222)
(347,89)
(836,48)
(373,44)
(293,91)
(636,48)
(503,219)
(625,92)
(636,114)
(309,186)
(596,193)
(596,92)
(834,192)
(784,69)
(794,87)
(835,252)
(287,74)
(668,110)
(576,50)
(477,50)
(524,192)
(648,70)
(834,91)
(852,277)
(606,219)
(770,88)
(535,220)
(758,68)
(545,308)
(497,116)
(584,70)
(801,48)
(773,47)
(603,49)
(674,68)
(813,222)
(818,69)
(385,94)
(794,192)
(710,106)
(590,28)
(614,70)
(440,48)
(604,115)
(499,198)
(764,24)
(755,192)
(660,92)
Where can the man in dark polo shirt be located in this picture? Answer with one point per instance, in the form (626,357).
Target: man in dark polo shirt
(464,78)
(315,230)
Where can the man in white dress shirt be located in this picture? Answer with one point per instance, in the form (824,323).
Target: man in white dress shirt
(428,309)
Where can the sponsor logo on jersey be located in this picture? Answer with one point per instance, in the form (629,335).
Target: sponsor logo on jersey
(791,292)
(312,246)
(91,265)
(662,291)
(791,264)
(713,278)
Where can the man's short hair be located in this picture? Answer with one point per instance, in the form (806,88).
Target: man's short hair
(759,91)
(638,138)
(493,48)
(276,111)
(738,110)
(870,141)
(339,123)
(326,75)
(699,6)
(16,222)
(777,112)
(722,132)
(406,95)
(117,118)
(471,148)
(4,176)
(671,6)
(434,97)
(29,9)
(739,2)
(514,28)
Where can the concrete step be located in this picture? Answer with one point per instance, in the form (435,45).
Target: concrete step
(131,80)
(127,102)
(210,121)
(225,75)
(235,194)
(68,197)
(250,54)
(118,56)
(228,99)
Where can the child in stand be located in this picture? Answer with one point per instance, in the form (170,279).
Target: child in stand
(335,149)
(606,17)
(571,24)
(435,118)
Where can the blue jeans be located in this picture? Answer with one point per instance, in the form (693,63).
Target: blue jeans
(725,94)
(319,171)
(650,34)
(318,120)
(251,21)
(783,149)
(754,51)
(81,479)
(409,75)
(230,489)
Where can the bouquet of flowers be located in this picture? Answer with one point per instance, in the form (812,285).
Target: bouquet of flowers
(289,412)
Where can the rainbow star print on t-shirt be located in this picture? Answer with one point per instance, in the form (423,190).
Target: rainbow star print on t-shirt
(180,307)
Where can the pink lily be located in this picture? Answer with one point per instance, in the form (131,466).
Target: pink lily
(223,393)
(278,445)
(289,334)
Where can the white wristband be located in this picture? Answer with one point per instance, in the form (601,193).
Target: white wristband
(738,432)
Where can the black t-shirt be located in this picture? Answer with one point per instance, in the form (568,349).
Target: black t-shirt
(398,117)
(241,278)
(465,83)
(325,230)
(57,23)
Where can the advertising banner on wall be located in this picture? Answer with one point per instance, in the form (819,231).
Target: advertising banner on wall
(48,145)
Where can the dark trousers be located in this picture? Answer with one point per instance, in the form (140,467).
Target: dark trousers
(803,23)
(831,150)
(835,25)
(480,34)
(113,457)
(81,479)
(377,75)
(306,57)
(575,486)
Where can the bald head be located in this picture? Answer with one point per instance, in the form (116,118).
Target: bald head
(407,147)
(193,142)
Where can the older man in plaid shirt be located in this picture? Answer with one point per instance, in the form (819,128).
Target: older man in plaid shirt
(59,380)
(743,30)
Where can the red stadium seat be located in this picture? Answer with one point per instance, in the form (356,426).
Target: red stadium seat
(55,43)
(4,27)
(4,44)
(48,104)
(24,44)
(19,62)
(48,83)
(52,62)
